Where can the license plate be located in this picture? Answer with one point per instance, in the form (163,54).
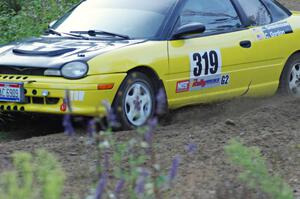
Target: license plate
(11,92)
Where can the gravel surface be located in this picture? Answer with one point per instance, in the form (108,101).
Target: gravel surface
(271,124)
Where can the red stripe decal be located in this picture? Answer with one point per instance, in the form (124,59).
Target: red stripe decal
(14,86)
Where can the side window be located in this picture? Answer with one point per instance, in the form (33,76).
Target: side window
(277,12)
(216,15)
(256,12)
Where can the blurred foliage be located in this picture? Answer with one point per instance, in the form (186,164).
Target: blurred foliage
(131,165)
(38,177)
(26,18)
(255,172)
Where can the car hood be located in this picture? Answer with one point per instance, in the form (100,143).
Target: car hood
(53,52)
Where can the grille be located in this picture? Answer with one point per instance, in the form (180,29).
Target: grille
(11,70)
(41,100)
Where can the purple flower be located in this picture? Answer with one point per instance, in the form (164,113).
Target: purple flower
(174,168)
(152,124)
(119,186)
(140,186)
(106,161)
(101,186)
(67,100)
(191,148)
(68,126)
(91,127)
(161,101)
(111,117)
(140,183)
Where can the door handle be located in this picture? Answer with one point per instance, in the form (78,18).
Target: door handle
(246,44)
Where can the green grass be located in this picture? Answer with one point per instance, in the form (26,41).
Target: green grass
(255,171)
(33,176)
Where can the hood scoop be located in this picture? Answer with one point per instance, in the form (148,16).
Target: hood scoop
(52,53)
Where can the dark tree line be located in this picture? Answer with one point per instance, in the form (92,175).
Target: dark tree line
(13,5)
(26,18)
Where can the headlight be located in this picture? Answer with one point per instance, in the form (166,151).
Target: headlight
(74,70)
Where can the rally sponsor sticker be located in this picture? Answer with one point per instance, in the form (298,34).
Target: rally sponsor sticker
(205,72)
(209,82)
(202,83)
(277,29)
(183,86)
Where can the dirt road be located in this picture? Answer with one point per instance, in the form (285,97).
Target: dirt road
(272,124)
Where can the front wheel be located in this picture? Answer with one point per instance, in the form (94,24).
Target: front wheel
(290,79)
(135,101)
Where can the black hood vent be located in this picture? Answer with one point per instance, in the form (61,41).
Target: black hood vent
(52,53)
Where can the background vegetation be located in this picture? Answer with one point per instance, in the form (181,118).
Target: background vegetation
(38,177)
(26,18)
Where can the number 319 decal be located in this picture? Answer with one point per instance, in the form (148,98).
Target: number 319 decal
(205,63)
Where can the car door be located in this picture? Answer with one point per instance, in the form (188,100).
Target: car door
(269,50)
(212,65)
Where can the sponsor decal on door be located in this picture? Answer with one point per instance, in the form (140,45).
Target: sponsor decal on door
(205,72)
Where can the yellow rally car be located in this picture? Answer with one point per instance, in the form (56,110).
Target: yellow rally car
(124,51)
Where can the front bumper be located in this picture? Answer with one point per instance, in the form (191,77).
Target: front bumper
(86,98)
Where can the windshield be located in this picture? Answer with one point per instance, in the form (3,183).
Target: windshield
(138,19)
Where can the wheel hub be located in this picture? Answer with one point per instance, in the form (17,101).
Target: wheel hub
(294,83)
(138,104)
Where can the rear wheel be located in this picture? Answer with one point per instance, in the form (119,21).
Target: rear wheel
(290,79)
(135,102)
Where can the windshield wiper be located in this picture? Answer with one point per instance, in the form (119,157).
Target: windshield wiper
(54,32)
(94,33)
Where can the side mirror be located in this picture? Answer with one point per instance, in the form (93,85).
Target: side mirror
(251,21)
(189,29)
(51,24)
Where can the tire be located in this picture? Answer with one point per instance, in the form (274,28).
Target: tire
(135,102)
(290,77)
